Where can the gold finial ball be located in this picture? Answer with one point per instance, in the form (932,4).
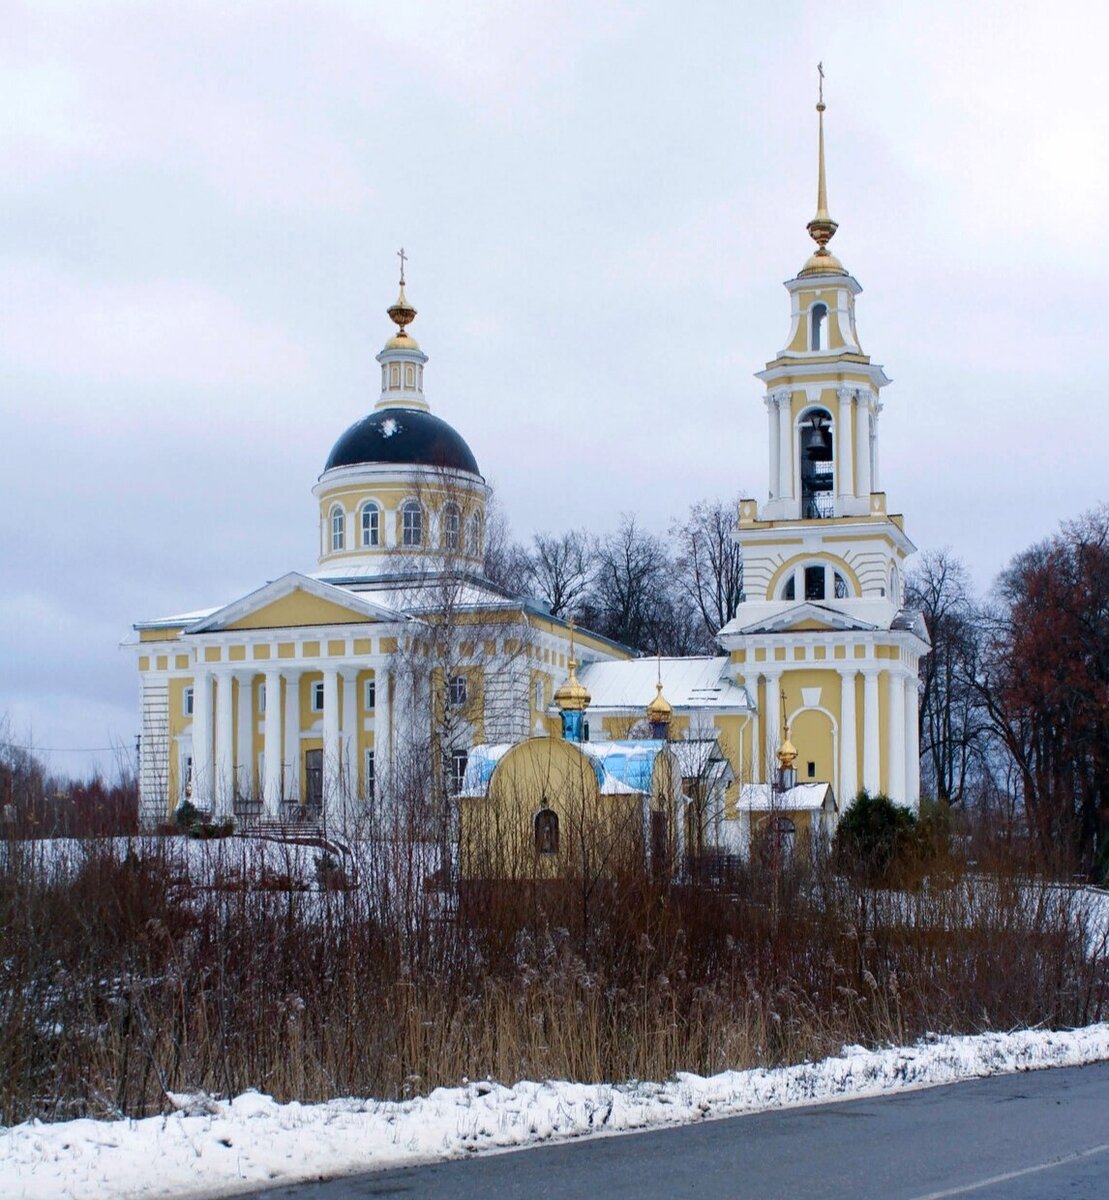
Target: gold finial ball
(402,313)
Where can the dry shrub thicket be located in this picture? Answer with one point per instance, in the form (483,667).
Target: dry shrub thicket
(123,979)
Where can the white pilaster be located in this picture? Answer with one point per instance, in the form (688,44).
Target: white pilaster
(271,749)
(290,783)
(202,739)
(872,760)
(225,749)
(383,732)
(756,741)
(244,734)
(330,738)
(845,439)
(895,690)
(848,749)
(875,475)
(912,741)
(862,447)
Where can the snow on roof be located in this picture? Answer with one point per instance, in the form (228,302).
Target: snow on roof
(178,619)
(621,768)
(702,758)
(700,682)
(805,797)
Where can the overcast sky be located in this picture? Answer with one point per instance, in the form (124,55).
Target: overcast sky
(202,204)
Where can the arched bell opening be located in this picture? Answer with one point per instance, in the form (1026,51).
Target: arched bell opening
(818,317)
(817,459)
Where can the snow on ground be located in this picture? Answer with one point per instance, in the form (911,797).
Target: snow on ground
(208,1146)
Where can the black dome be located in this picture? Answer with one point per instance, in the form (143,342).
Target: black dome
(404,436)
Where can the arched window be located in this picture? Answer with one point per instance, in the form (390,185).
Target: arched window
(789,590)
(817,465)
(452,526)
(818,315)
(546,831)
(412,524)
(843,589)
(474,535)
(371,524)
(338,528)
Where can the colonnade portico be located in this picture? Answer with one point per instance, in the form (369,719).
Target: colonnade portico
(224,716)
(889,750)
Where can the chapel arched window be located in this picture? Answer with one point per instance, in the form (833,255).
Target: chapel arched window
(474,536)
(338,528)
(546,831)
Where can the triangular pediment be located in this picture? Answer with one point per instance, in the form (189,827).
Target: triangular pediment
(807,617)
(294,601)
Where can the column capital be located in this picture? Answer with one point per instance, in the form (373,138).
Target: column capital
(845,393)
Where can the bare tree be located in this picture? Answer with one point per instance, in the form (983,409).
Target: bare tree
(954,723)
(709,564)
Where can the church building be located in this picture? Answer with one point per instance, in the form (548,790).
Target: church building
(381,676)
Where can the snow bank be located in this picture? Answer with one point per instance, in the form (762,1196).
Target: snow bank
(207,1146)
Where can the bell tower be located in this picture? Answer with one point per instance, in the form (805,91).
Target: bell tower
(822,621)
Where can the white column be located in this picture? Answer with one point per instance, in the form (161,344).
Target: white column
(330,738)
(202,738)
(912,741)
(225,748)
(244,735)
(872,761)
(785,445)
(895,689)
(848,743)
(271,748)
(349,753)
(772,734)
(862,446)
(290,782)
(845,440)
(774,443)
(756,742)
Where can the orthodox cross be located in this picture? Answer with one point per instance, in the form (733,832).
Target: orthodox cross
(403,259)
(820,72)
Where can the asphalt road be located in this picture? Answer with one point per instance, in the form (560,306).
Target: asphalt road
(1042,1135)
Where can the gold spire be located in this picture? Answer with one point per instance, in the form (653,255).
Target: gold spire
(822,228)
(401,313)
(572,696)
(659,711)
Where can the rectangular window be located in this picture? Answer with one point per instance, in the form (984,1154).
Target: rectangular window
(370,779)
(456,690)
(412,524)
(187,702)
(814,583)
(812,770)
(369,699)
(459,759)
(317,696)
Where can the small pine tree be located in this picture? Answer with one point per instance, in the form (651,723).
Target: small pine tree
(874,836)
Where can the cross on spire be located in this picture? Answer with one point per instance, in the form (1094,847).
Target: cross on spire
(820,72)
(403,259)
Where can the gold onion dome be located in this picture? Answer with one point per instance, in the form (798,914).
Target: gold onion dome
(787,753)
(659,711)
(822,228)
(572,696)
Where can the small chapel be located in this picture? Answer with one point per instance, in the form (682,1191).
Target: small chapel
(395,674)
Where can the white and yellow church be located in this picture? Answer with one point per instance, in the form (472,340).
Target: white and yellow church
(396,666)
